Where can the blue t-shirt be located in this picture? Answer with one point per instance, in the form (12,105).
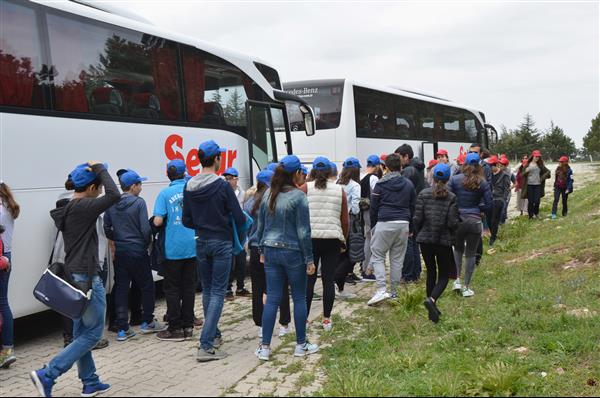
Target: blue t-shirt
(180,241)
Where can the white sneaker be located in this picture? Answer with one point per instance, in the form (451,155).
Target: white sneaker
(346,295)
(263,353)
(327,325)
(260,333)
(468,292)
(283,331)
(457,285)
(380,296)
(306,349)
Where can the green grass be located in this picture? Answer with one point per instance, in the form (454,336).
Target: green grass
(521,290)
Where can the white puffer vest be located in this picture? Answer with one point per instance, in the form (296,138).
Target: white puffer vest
(325,211)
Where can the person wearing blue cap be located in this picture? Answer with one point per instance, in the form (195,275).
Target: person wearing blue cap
(329,231)
(272,167)
(436,219)
(180,269)
(257,269)
(126,224)
(77,221)
(238,268)
(209,204)
(334,171)
(474,197)
(283,236)
(349,180)
(367,184)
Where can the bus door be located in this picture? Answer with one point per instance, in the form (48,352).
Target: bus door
(429,150)
(263,120)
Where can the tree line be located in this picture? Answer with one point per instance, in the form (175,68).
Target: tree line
(552,141)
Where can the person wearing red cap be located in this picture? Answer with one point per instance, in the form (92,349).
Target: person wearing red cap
(534,184)
(505,166)
(500,186)
(563,186)
(522,203)
(429,174)
(442,156)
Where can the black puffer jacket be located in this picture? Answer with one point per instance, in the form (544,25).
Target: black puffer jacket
(435,220)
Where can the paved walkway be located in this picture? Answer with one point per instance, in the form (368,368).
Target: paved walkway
(145,366)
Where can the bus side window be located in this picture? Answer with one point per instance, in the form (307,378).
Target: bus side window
(405,117)
(22,75)
(375,117)
(103,69)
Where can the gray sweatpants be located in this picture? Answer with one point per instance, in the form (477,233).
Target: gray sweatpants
(393,238)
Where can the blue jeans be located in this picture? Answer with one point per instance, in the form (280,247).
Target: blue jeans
(214,257)
(135,268)
(280,263)
(7,316)
(87,332)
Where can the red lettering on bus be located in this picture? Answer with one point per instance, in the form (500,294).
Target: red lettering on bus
(172,143)
(174,150)
(193,162)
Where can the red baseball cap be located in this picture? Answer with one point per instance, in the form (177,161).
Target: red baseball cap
(383,157)
(505,161)
(461,158)
(442,152)
(492,160)
(536,153)
(564,159)
(432,163)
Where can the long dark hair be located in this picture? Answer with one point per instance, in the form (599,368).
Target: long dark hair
(7,198)
(320,177)
(349,174)
(282,181)
(261,188)
(540,162)
(440,189)
(473,176)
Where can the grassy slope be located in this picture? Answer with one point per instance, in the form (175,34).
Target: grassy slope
(521,294)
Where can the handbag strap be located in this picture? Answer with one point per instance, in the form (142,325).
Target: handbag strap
(53,248)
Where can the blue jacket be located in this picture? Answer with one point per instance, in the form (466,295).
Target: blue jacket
(126,223)
(208,203)
(393,199)
(471,203)
(288,227)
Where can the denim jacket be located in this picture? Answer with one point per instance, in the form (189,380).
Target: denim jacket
(288,227)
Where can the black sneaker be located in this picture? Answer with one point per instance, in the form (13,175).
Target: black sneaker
(355,277)
(229,296)
(350,281)
(102,344)
(243,293)
(434,315)
(368,278)
(175,336)
(188,333)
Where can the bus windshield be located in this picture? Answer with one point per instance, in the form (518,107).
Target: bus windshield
(326,101)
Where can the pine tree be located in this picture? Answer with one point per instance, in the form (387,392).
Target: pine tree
(527,136)
(591,142)
(556,143)
(235,110)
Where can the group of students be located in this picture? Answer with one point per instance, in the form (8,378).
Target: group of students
(295,224)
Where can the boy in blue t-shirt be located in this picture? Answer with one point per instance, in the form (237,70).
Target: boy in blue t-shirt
(180,269)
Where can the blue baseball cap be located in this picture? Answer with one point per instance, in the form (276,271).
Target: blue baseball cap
(352,163)
(232,171)
(304,170)
(179,165)
(130,178)
(272,166)
(321,163)
(472,159)
(265,177)
(373,160)
(291,163)
(333,168)
(82,177)
(442,172)
(210,149)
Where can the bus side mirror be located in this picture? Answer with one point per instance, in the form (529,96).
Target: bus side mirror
(492,134)
(309,120)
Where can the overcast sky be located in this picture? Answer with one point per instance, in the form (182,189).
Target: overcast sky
(505,58)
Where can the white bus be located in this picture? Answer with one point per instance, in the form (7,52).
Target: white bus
(79,83)
(357,119)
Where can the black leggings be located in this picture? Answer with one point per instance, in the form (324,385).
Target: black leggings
(438,260)
(558,194)
(497,210)
(344,268)
(328,252)
(259,288)
(534,194)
